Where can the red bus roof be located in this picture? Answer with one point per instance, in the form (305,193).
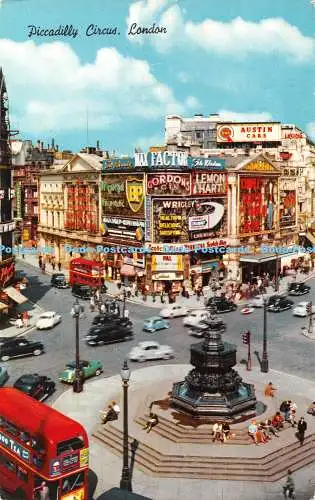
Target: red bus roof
(37,418)
(86,262)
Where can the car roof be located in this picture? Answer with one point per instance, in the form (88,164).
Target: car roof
(154,318)
(302,304)
(29,378)
(46,313)
(148,343)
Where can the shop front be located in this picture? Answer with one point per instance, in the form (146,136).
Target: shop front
(167,273)
(254,265)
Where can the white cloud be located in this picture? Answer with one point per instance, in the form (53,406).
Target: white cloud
(237,37)
(192,102)
(49,87)
(310,130)
(231,116)
(146,142)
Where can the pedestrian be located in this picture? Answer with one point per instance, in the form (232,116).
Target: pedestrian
(198,294)
(92,304)
(289,487)
(152,421)
(285,409)
(269,390)
(162,297)
(44,491)
(19,322)
(103,308)
(59,266)
(43,267)
(109,415)
(53,265)
(302,426)
(217,432)
(126,314)
(116,408)
(40,262)
(153,296)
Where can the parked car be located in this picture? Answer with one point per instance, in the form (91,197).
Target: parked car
(270,299)
(48,319)
(108,334)
(89,369)
(298,288)
(4,376)
(108,319)
(37,386)
(173,311)
(221,304)
(59,280)
(146,351)
(300,309)
(81,291)
(20,347)
(281,304)
(155,323)
(194,317)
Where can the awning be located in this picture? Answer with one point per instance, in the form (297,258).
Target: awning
(310,237)
(127,270)
(15,295)
(259,258)
(3,306)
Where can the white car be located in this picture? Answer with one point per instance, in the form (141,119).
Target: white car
(173,311)
(194,318)
(300,309)
(148,350)
(48,320)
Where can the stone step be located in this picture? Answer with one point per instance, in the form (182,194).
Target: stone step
(263,469)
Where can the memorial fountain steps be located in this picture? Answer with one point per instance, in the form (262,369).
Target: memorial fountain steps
(271,466)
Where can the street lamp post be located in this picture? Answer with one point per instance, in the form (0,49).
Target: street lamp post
(125,482)
(264,368)
(124,304)
(76,310)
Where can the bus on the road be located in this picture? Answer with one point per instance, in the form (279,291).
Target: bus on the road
(43,453)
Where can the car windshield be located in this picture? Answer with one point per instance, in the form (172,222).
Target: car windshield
(193,315)
(22,385)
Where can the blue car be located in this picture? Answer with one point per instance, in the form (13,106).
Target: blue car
(155,323)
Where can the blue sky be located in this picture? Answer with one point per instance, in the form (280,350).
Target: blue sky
(245,59)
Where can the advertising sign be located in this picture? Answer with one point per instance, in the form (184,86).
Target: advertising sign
(116,163)
(258,204)
(84,457)
(287,208)
(210,183)
(177,220)
(172,184)
(55,467)
(206,163)
(123,195)
(161,159)
(14,447)
(249,132)
(148,221)
(18,200)
(70,462)
(130,229)
(77,494)
(167,263)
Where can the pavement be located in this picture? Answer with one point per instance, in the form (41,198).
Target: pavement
(192,302)
(85,408)
(9,330)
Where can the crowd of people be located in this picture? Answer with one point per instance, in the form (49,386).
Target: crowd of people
(221,432)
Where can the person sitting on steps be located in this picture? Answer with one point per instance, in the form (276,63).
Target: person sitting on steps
(109,415)
(152,421)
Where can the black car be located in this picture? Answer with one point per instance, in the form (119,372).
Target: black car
(82,291)
(106,319)
(20,347)
(298,288)
(37,386)
(221,304)
(281,304)
(59,280)
(108,334)
(198,331)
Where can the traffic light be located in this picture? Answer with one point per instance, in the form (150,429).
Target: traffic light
(246,337)
(309,308)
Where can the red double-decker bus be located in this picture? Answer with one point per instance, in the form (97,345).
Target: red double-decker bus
(86,272)
(41,450)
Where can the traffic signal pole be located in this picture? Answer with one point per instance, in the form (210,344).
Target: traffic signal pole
(310,317)
(246,338)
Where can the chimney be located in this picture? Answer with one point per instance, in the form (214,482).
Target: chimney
(98,145)
(52,143)
(41,146)
(57,147)
(38,144)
